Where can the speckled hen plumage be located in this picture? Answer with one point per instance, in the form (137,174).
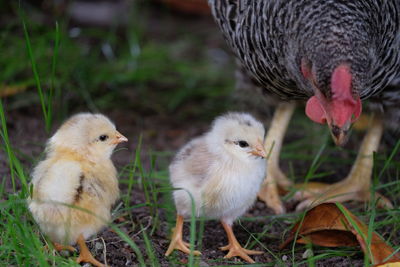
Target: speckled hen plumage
(271,37)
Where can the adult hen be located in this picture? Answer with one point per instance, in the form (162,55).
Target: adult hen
(333,54)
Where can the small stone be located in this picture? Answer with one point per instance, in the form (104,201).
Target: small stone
(308,253)
(260,205)
(87,265)
(284,258)
(98,246)
(203,264)
(65,253)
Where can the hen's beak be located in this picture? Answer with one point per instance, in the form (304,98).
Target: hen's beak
(259,150)
(119,138)
(340,134)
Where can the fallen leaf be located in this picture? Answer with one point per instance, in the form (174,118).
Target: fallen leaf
(329,226)
(390,264)
(9,90)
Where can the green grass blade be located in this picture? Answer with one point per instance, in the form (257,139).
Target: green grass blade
(43,100)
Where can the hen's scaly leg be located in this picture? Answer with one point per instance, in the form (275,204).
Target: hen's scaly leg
(85,255)
(177,241)
(235,249)
(273,142)
(356,186)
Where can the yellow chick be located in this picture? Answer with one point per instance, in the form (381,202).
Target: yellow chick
(222,171)
(76,184)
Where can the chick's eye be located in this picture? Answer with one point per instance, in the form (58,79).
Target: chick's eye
(103,137)
(243,143)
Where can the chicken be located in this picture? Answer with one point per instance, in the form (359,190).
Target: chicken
(331,55)
(76,184)
(223,171)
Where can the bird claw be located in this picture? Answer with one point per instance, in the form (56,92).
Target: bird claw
(181,245)
(317,193)
(238,251)
(85,254)
(89,259)
(270,195)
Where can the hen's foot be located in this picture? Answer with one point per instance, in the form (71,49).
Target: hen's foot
(275,178)
(357,184)
(269,193)
(312,194)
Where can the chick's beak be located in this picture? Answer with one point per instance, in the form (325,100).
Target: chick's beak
(119,138)
(259,150)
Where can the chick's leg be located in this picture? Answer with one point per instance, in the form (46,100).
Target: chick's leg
(356,186)
(177,241)
(235,249)
(273,142)
(85,255)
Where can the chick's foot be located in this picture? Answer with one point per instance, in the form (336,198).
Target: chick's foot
(235,249)
(85,255)
(177,241)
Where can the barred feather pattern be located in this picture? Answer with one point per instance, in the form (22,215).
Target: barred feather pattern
(271,37)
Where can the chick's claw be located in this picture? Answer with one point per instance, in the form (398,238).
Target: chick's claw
(176,240)
(85,255)
(179,244)
(235,250)
(89,259)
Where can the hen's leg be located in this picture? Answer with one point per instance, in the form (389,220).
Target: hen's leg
(85,255)
(356,186)
(235,249)
(273,142)
(177,241)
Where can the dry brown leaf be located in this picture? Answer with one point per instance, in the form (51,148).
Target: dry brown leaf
(390,264)
(6,90)
(326,225)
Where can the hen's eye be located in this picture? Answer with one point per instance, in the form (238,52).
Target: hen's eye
(243,143)
(103,137)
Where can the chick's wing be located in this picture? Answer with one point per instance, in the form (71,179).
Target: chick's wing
(192,162)
(60,182)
